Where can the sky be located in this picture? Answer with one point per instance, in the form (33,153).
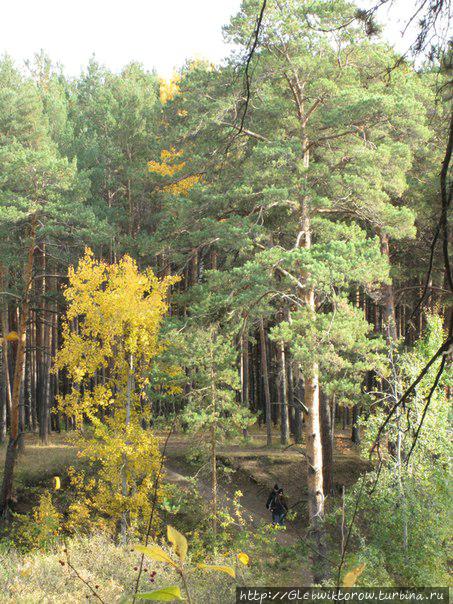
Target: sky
(160,34)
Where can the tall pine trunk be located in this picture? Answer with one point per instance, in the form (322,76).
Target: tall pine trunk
(265,376)
(6,399)
(46,343)
(327,444)
(245,382)
(313,442)
(214,447)
(313,424)
(13,443)
(284,416)
(388,296)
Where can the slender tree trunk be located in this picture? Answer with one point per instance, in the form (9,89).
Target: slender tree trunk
(313,424)
(214,446)
(265,376)
(214,482)
(3,408)
(33,378)
(284,417)
(21,441)
(28,381)
(11,452)
(54,352)
(326,437)
(291,407)
(5,379)
(355,434)
(245,383)
(333,419)
(124,469)
(44,369)
(388,297)
(298,420)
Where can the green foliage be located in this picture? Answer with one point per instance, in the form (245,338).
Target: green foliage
(210,362)
(404,521)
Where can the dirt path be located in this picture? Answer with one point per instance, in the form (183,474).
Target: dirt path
(253,499)
(256,469)
(254,493)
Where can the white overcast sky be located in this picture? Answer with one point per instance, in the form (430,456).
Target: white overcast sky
(160,34)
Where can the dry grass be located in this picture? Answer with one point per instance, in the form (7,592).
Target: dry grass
(37,465)
(38,462)
(29,578)
(40,578)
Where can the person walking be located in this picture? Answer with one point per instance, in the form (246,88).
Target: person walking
(279,508)
(272,496)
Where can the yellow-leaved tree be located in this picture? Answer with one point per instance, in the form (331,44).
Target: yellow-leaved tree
(110,338)
(169,166)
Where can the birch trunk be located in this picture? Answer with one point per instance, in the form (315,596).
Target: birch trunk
(124,468)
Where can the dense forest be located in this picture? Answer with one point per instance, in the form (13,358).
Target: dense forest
(253,257)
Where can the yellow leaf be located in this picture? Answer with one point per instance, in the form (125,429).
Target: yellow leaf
(351,577)
(12,336)
(222,569)
(56,483)
(242,557)
(167,594)
(178,541)
(155,553)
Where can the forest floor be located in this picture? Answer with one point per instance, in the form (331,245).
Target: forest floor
(248,466)
(253,469)
(38,464)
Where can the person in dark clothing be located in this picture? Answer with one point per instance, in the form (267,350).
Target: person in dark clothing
(271,497)
(279,508)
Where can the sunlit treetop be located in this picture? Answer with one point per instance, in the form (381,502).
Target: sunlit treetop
(168,89)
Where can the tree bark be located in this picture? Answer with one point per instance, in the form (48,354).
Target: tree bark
(291,404)
(11,453)
(46,343)
(327,449)
(6,400)
(265,377)
(313,425)
(214,448)
(388,297)
(124,484)
(355,434)
(298,419)
(284,417)
(313,443)
(245,383)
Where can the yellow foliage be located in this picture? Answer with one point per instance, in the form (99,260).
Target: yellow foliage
(12,336)
(242,557)
(112,326)
(169,88)
(222,569)
(351,577)
(183,186)
(154,552)
(168,166)
(178,541)
(42,529)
